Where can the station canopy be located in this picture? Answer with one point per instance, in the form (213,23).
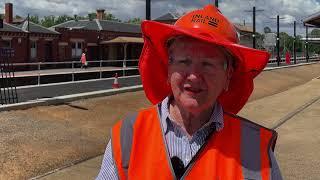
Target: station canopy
(312,20)
(123,39)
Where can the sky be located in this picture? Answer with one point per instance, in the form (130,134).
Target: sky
(235,10)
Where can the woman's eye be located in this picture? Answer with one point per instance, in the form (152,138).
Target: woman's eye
(207,64)
(184,61)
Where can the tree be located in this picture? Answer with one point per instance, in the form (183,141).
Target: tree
(34,19)
(134,21)
(315,32)
(286,42)
(48,21)
(62,19)
(266,30)
(92,16)
(259,40)
(76,17)
(18,17)
(314,48)
(111,17)
(299,44)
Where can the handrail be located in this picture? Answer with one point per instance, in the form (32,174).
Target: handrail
(99,66)
(70,62)
(40,69)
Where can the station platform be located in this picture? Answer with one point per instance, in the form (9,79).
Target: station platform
(66,141)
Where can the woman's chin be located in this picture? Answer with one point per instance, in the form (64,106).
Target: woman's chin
(191,104)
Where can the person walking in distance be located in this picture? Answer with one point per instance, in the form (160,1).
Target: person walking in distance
(83,60)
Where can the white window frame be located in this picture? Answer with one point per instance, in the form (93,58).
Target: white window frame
(76,51)
(33,49)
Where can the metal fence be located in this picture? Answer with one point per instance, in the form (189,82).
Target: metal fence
(8,90)
(300,59)
(40,71)
(74,68)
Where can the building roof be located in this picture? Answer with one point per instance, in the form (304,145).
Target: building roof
(10,28)
(167,17)
(124,39)
(79,24)
(35,28)
(243,28)
(100,25)
(119,27)
(312,20)
(17,20)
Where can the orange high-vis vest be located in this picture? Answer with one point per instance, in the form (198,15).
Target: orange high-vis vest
(241,150)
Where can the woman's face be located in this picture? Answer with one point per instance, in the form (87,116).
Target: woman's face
(197,73)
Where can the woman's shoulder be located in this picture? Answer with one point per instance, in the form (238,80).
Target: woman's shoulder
(143,112)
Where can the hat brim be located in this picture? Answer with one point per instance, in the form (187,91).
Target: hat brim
(153,64)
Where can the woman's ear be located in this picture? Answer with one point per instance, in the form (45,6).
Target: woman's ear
(229,76)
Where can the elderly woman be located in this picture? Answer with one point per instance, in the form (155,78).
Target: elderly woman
(198,77)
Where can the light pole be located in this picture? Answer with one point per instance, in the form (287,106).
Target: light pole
(148,9)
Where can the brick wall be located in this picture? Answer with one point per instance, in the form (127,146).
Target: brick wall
(21,49)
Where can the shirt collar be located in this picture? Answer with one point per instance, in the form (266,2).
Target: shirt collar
(216,118)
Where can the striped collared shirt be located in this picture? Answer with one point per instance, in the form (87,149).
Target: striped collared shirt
(177,141)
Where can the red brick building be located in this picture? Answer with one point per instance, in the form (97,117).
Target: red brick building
(97,38)
(13,37)
(101,39)
(31,42)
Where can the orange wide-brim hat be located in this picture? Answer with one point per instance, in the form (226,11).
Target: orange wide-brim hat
(208,25)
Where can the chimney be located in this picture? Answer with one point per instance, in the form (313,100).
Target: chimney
(100,14)
(8,13)
(75,17)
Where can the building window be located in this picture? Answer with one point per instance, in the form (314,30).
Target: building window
(6,43)
(62,52)
(76,49)
(33,49)
(79,45)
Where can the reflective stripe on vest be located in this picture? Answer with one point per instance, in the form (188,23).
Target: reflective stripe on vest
(122,155)
(240,151)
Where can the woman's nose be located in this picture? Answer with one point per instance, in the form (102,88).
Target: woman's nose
(194,72)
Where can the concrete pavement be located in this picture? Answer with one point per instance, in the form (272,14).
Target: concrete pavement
(85,170)
(41,139)
(298,143)
(297,146)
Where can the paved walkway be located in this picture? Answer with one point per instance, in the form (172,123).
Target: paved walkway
(299,137)
(40,139)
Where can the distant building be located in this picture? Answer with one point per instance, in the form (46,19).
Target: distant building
(96,37)
(312,20)
(42,42)
(31,42)
(101,39)
(246,33)
(168,18)
(14,37)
